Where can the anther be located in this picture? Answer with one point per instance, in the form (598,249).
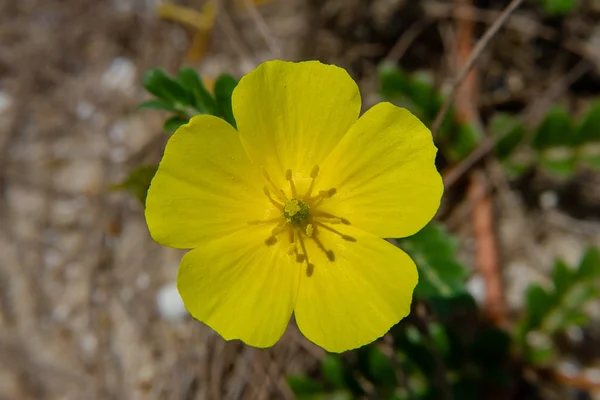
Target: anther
(305,258)
(323,194)
(309,230)
(330,220)
(268,194)
(343,236)
(313,174)
(278,229)
(264,221)
(323,214)
(288,177)
(276,190)
(329,253)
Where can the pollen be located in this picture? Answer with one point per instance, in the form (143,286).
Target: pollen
(301,217)
(296,212)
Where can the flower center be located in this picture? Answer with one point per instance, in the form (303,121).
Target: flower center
(296,212)
(301,218)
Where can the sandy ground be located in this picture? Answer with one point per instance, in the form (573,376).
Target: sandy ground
(80,279)
(87,306)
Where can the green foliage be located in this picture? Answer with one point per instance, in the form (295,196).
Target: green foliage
(202,100)
(183,97)
(418,94)
(509,133)
(186,95)
(553,310)
(556,130)
(559,145)
(434,252)
(559,7)
(223,90)
(452,349)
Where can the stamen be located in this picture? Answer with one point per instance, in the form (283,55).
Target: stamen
(330,220)
(323,194)
(329,253)
(271,240)
(331,216)
(264,221)
(304,253)
(345,237)
(288,177)
(313,174)
(279,228)
(309,230)
(276,190)
(268,194)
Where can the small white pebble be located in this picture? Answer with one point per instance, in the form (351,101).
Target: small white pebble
(60,313)
(118,154)
(5,102)
(538,340)
(568,368)
(476,286)
(116,132)
(575,333)
(120,75)
(84,110)
(126,294)
(169,303)
(89,343)
(593,374)
(548,200)
(143,281)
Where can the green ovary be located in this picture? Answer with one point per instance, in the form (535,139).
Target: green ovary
(296,212)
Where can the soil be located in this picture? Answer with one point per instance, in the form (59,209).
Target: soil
(86,297)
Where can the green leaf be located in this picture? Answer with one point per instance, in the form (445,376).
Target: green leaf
(380,369)
(553,311)
(138,181)
(303,385)
(202,99)
(559,7)
(434,252)
(538,304)
(393,82)
(465,140)
(333,371)
(563,277)
(156,105)
(589,266)
(415,92)
(589,128)
(439,338)
(173,123)
(555,131)
(560,167)
(157,82)
(224,86)
(509,132)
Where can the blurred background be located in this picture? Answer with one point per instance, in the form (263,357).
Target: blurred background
(507,305)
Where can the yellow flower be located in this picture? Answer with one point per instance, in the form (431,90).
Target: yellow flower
(286,214)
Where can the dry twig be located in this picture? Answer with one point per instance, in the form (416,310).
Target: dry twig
(474,56)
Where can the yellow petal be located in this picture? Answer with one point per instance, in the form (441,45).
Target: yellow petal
(241,287)
(205,186)
(358,297)
(384,173)
(291,115)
